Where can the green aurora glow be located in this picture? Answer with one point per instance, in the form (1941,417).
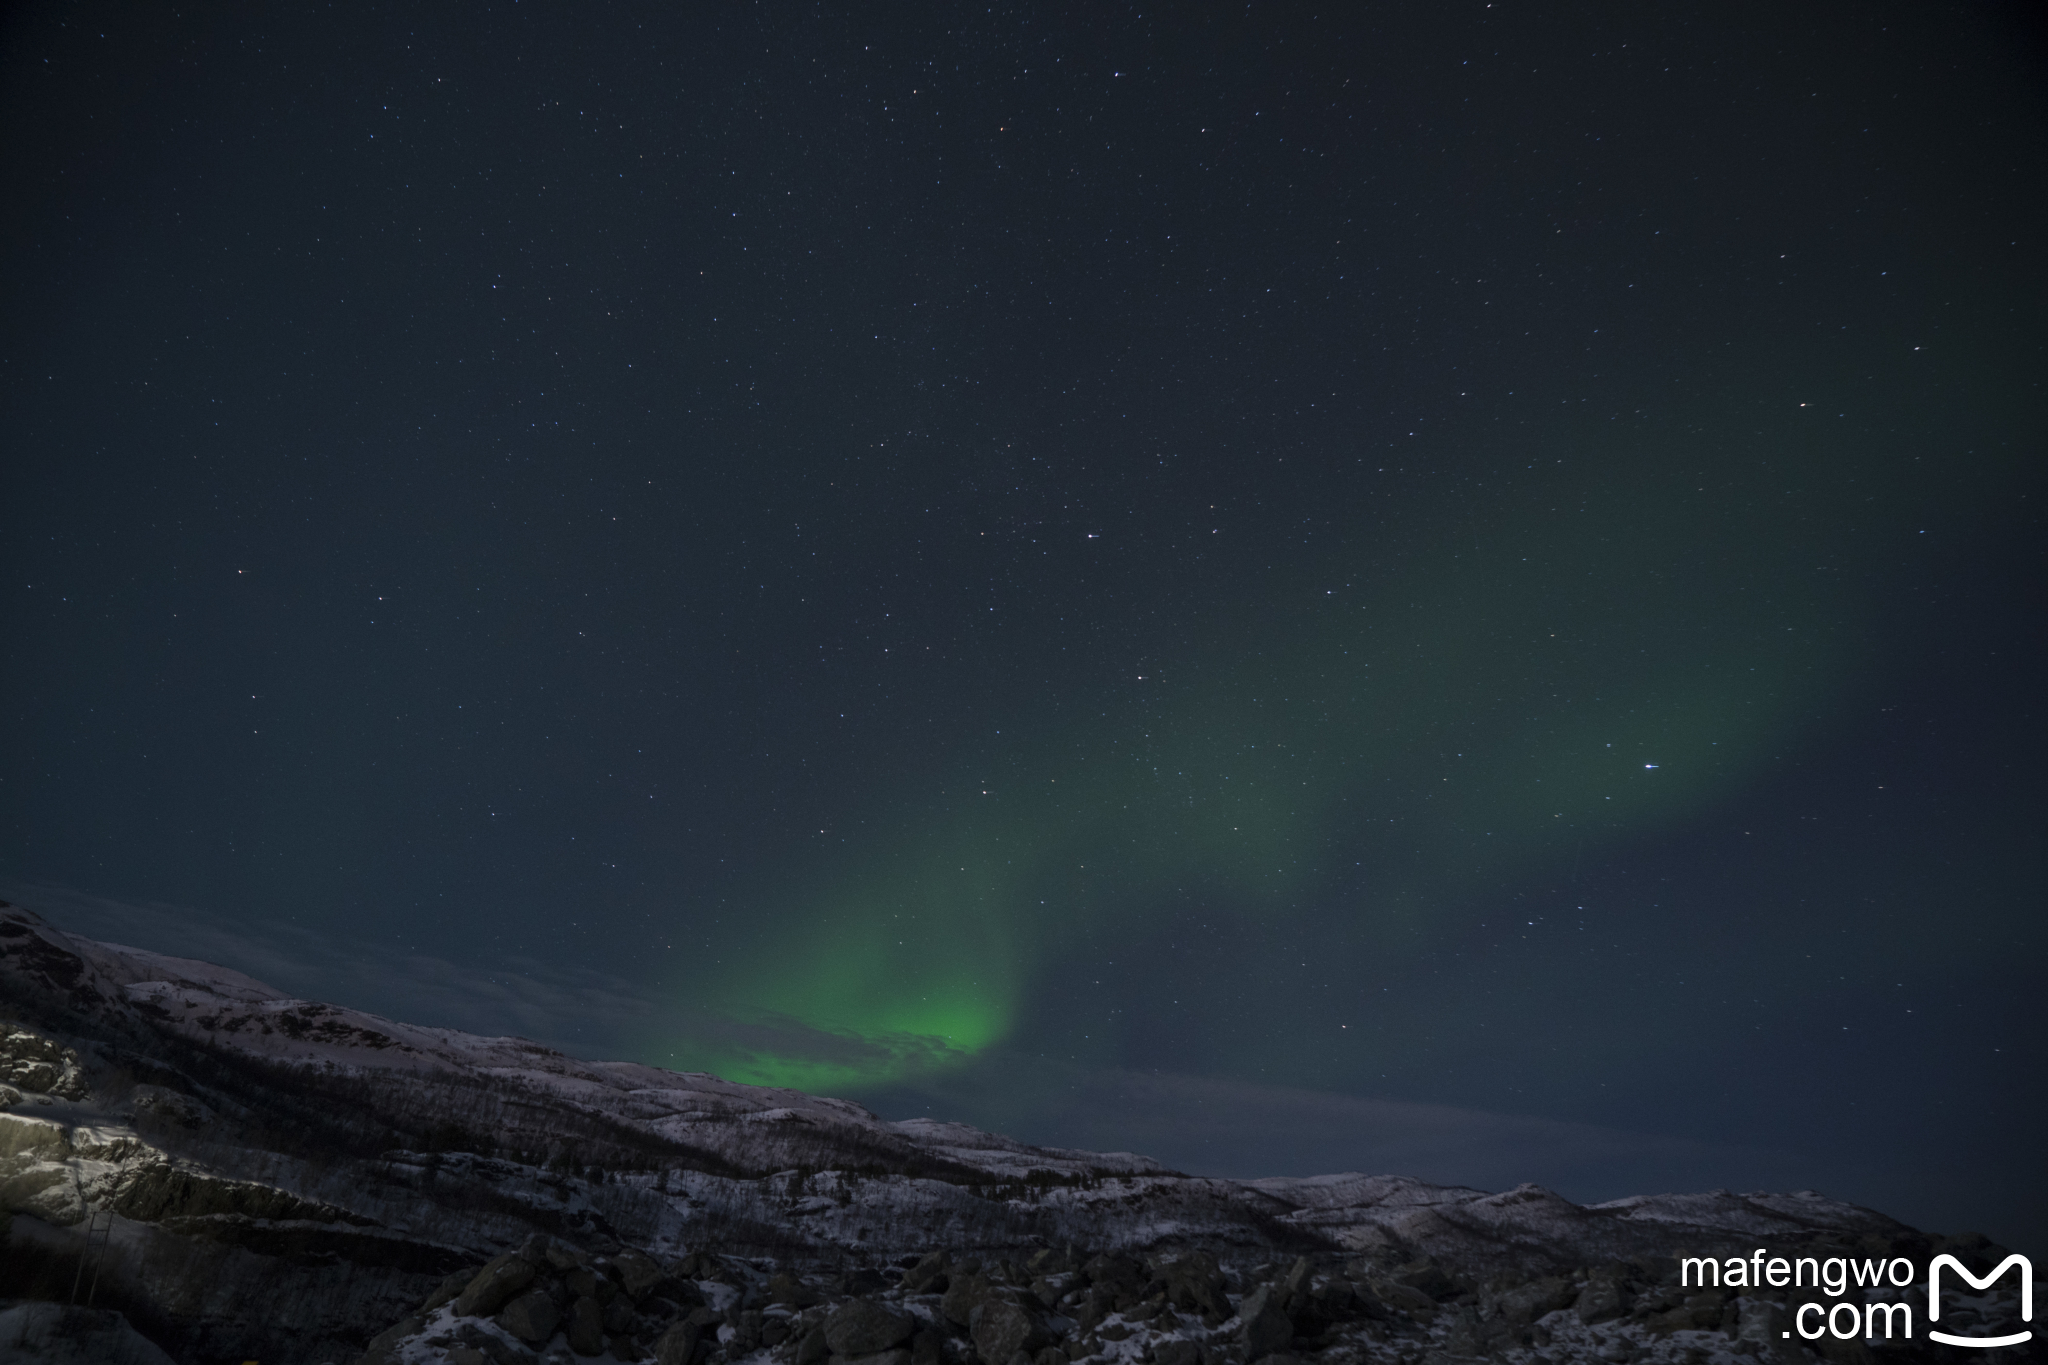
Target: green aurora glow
(1582,653)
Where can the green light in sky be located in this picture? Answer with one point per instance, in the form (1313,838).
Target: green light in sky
(1473,711)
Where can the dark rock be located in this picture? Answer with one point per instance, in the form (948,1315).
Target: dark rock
(382,1344)
(494,1285)
(1049,1355)
(585,1328)
(493,1347)
(620,1319)
(1405,1297)
(1195,1283)
(679,1343)
(1329,1303)
(928,1276)
(862,1328)
(1427,1276)
(586,1282)
(532,1317)
(449,1288)
(788,1289)
(562,1256)
(1119,1272)
(927,1348)
(1267,1328)
(812,1349)
(897,1357)
(1603,1300)
(1001,1329)
(1100,1303)
(1526,1303)
(1176,1353)
(637,1273)
(1470,1336)
(1047,1261)
(963,1296)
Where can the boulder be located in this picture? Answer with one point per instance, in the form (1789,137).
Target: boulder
(585,1282)
(895,1357)
(1333,1301)
(861,1328)
(1602,1300)
(532,1317)
(811,1350)
(786,1288)
(562,1256)
(679,1343)
(494,1285)
(492,1347)
(48,1192)
(928,1276)
(449,1287)
(1524,1304)
(1427,1276)
(1404,1297)
(1120,1273)
(1047,1261)
(1180,1352)
(386,1341)
(586,1326)
(963,1296)
(1001,1329)
(1267,1328)
(1195,1283)
(637,1273)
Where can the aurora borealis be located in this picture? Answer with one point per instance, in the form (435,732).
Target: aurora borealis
(1467,582)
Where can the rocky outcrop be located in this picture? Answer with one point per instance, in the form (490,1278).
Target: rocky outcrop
(281,1180)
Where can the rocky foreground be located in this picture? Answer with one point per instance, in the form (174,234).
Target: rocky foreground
(238,1175)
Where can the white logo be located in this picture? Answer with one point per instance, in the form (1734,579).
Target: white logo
(2026,1298)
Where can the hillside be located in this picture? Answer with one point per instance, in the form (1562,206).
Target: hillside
(290,1181)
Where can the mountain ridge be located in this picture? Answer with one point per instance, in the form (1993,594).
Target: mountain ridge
(286,1178)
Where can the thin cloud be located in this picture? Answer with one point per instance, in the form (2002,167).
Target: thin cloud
(580,1011)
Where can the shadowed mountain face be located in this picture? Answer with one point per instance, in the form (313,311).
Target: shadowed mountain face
(287,1180)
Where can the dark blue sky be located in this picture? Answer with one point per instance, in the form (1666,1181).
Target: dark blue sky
(1452,592)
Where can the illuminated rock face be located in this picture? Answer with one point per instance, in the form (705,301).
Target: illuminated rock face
(289,1181)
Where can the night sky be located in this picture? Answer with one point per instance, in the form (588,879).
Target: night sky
(1448,589)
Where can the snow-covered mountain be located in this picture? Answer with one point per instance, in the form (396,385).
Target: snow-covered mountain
(283,1180)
